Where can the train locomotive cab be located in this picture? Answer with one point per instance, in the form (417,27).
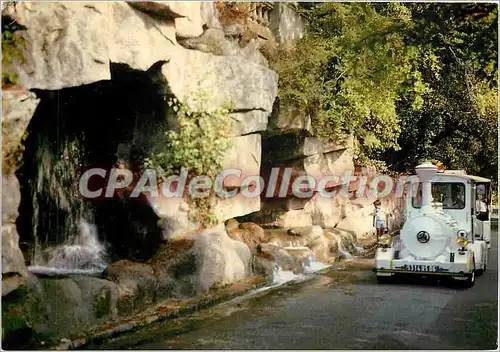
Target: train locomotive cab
(446,229)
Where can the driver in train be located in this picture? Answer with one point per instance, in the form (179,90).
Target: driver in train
(481,208)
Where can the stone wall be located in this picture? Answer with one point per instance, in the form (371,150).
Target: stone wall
(74,44)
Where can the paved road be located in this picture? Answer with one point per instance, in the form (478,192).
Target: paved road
(340,310)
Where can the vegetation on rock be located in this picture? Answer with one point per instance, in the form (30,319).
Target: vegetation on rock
(411,81)
(12,49)
(199,147)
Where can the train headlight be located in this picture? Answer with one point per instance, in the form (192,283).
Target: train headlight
(462,233)
(385,240)
(462,242)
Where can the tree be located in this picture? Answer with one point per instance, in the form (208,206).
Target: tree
(352,65)
(457,122)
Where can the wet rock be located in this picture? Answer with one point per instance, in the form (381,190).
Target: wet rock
(283,259)
(78,303)
(288,238)
(232,224)
(136,285)
(175,268)
(14,271)
(321,248)
(309,234)
(199,261)
(249,233)
(22,315)
(359,221)
(263,264)
(174,216)
(99,295)
(221,260)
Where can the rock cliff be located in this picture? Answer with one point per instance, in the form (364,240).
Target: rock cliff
(99,75)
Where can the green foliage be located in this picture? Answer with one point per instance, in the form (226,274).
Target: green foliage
(458,121)
(199,147)
(14,160)
(410,81)
(352,66)
(13,46)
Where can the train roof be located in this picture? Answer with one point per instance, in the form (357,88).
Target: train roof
(461,174)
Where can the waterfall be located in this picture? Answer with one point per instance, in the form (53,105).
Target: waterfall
(65,237)
(345,253)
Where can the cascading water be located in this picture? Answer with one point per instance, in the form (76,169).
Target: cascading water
(345,253)
(71,243)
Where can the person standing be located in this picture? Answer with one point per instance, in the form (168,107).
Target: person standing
(379,218)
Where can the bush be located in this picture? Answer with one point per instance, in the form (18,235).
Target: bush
(13,46)
(199,147)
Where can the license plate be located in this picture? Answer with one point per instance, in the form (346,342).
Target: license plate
(422,268)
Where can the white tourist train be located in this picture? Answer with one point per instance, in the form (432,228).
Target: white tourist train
(446,229)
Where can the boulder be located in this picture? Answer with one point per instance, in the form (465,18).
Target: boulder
(308,234)
(272,218)
(263,264)
(11,198)
(210,14)
(174,216)
(232,224)
(325,212)
(137,39)
(175,267)
(338,162)
(283,259)
(223,79)
(191,23)
(66,43)
(199,261)
(221,260)
(14,271)
(136,285)
(294,218)
(244,155)
(18,107)
(73,304)
(360,222)
(72,44)
(214,41)
(282,238)
(248,232)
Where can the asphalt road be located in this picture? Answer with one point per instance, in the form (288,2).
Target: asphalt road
(340,310)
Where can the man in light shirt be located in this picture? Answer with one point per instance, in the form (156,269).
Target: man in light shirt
(481,209)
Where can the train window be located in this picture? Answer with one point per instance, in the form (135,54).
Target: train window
(450,194)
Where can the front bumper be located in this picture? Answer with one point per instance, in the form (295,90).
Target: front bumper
(391,272)
(386,265)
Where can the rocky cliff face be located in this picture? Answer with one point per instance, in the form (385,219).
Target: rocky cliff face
(101,73)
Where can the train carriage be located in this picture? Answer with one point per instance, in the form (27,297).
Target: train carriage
(447,227)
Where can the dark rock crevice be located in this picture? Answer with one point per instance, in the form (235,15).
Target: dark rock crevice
(95,125)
